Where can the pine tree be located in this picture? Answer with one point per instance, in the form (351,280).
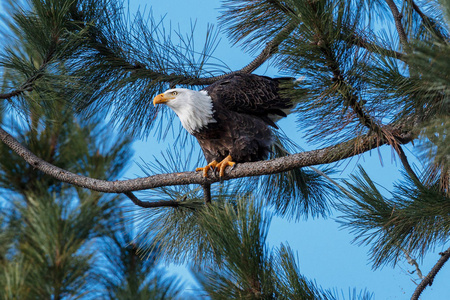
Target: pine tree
(49,225)
(362,86)
(55,236)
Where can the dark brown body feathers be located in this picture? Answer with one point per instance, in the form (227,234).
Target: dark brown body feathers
(242,104)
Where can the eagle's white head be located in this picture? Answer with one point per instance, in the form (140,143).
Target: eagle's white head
(194,108)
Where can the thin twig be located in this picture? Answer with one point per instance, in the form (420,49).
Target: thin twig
(363,43)
(413,263)
(149,204)
(315,157)
(12,94)
(351,99)
(265,54)
(174,79)
(428,280)
(343,87)
(424,17)
(28,85)
(427,21)
(406,165)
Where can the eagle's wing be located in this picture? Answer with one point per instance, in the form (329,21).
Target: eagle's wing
(250,94)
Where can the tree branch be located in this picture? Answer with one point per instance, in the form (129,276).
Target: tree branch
(398,25)
(345,89)
(413,263)
(315,157)
(12,94)
(28,85)
(149,204)
(363,43)
(428,280)
(342,86)
(424,17)
(265,54)
(174,79)
(427,21)
(351,99)
(206,193)
(406,165)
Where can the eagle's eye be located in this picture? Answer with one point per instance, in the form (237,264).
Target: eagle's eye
(174,93)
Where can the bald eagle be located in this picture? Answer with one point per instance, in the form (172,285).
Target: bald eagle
(230,118)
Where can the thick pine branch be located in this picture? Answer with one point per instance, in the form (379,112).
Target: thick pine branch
(364,117)
(315,157)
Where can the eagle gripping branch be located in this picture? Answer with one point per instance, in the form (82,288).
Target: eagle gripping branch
(310,158)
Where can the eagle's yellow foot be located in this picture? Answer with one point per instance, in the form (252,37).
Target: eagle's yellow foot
(227,161)
(205,169)
(214,165)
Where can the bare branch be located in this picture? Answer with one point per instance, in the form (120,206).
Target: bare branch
(405,163)
(206,193)
(398,24)
(413,263)
(315,157)
(149,204)
(428,280)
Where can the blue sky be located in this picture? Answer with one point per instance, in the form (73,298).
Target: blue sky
(325,252)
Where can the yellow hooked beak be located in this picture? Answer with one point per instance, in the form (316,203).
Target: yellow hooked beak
(161,98)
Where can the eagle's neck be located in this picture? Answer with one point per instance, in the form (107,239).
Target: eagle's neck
(195,111)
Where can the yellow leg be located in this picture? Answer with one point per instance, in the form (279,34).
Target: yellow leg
(205,169)
(227,161)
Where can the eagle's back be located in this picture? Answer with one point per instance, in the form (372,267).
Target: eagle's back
(250,94)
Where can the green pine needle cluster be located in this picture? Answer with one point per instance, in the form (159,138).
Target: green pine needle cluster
(412,221)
